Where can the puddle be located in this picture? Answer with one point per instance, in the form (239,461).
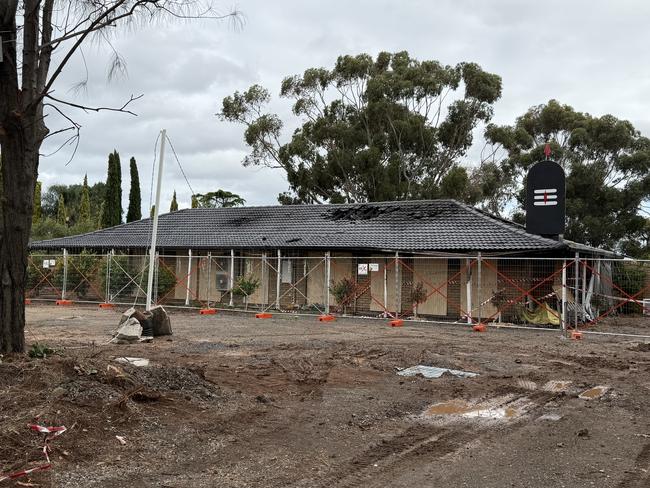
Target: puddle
(481,411)
(593,393)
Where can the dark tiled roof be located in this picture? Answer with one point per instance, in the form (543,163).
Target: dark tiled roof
(430,225)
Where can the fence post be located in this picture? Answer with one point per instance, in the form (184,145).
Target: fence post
(584,289)
(468,290)
(385,286)
(189,277)
(156,273)
(277,281)
(328,277)
(564,296)
(65,273)
(107,298)
(398,287)
(231,278)
(265,281)
(576,290)
(478,287)
(208,282)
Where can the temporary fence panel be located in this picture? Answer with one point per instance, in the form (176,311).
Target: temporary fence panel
(45,276)
(86,277)
(551,292)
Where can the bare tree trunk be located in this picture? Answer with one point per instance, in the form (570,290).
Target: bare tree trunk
(21,133)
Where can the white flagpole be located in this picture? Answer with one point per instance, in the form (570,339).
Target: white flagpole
(154,230)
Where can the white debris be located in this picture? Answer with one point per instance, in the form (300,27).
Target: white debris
(433,372)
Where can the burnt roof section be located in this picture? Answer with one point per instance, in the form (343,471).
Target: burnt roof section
(429,225)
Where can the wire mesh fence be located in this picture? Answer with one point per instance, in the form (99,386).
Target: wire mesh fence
(545,292)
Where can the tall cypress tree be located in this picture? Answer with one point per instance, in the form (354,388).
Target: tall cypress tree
(38,212)
(195,202)
(84,206)
(118,184)
(112,214)
(61,214)
(135,200)
(109,196)
(174,205)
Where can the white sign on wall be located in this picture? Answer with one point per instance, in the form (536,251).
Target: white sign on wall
(46,263)
(374,266)
(362,269)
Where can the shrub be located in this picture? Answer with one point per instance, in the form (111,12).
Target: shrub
(342,290)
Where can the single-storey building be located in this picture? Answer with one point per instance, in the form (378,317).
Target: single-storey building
(390,251)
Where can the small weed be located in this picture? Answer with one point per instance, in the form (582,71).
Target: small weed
(40,351)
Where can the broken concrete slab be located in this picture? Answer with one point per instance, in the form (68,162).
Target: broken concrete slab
(160,322)
(433,372)
(129,332)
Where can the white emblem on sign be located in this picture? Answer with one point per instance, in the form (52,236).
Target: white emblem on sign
(362,269)
(545,197)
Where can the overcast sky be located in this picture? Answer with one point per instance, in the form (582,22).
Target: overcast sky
(588,54)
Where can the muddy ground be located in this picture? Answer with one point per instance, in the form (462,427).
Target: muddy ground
(233,401)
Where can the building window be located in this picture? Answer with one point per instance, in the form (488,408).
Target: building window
(286,272)
(222,273)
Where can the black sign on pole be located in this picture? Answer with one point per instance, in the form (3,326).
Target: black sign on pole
(545,199)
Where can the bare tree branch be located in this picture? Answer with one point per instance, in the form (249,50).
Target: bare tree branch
(99,109)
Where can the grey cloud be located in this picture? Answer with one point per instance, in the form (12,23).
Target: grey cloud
(589,54)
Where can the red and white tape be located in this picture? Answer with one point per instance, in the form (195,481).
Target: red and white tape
(50,433)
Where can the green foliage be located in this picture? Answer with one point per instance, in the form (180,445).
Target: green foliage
(246,286)
(40,351)
(83,273)
(72,194)
(217,199)
(135,200)
(631,278)
(61,214)
(371,129)
(84,206)
(112,214)
(607,162)
(173,207)
(165,281)
(38,212)
(342,290)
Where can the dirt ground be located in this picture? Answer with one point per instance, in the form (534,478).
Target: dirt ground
(234,401)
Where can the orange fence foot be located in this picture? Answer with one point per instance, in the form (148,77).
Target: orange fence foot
(64,302)
(326,318)
(208,311)
(106,305)
(263,315)
(28,301)
(396,323)
(479,328)
(575,335)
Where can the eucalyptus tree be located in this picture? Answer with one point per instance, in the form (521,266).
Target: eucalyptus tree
(388,128)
